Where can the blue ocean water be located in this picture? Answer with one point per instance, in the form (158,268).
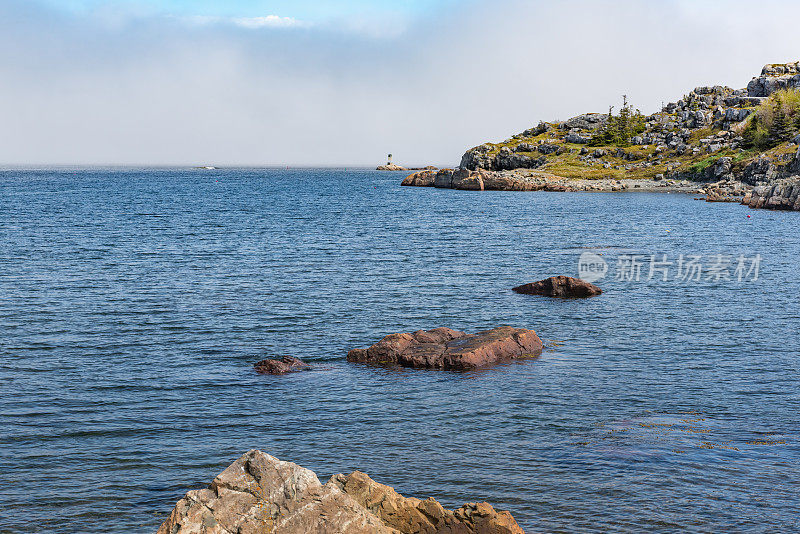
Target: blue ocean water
(133,304)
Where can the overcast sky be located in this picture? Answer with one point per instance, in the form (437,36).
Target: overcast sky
(343,82)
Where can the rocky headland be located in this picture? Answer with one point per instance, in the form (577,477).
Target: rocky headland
(261,494)
(443,348)
(716,141)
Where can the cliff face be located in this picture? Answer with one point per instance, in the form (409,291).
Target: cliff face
(699,137)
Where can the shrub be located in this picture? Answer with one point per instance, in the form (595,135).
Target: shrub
(775,121)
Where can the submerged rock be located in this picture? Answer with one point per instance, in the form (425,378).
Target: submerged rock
(561,287)
(260,493)
(443,348)
(287,364)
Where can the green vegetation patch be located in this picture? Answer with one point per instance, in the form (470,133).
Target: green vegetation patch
(775,121)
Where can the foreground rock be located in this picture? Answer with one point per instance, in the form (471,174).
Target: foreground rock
(443,348)
(285,365)
(260,494)
(560,287)
(779,195)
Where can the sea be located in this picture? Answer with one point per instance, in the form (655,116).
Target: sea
(134,303)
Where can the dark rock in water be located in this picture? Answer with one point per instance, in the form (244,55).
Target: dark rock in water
(561,287)
(443,348)
(287,364)
(260,493)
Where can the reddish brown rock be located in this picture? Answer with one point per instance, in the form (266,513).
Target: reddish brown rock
(467,180)
(561,287)
(287,364)
(444,179)
(261,494)
(443,348)
(420,179)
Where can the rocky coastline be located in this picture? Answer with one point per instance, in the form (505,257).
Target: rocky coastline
(262,494)
(780,195)
(696,145)
(533,180)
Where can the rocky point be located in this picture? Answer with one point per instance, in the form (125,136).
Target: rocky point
(696,144)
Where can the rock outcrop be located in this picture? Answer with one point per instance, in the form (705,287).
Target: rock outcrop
(483,180)
(725,191)
(285,365)
(560,287)
(261,494)
(773,78)
(425,178)
(390,167)
(409,514)
(781,195)
(443,348)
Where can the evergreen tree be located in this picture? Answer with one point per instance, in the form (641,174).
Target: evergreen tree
(749,134)
(781,128)
(619,130)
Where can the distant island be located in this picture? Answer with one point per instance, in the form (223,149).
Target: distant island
(738,145)
(391,166)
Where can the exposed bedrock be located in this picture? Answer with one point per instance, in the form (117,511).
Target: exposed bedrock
(780,195)
(262,494)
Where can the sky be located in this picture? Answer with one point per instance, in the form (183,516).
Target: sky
(344,82)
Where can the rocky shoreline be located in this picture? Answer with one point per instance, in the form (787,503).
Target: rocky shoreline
(780,195)
(532,180)
(697,145)
(262,494)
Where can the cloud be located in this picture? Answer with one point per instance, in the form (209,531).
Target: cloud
(270,21)
(251,23)
(156,90)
